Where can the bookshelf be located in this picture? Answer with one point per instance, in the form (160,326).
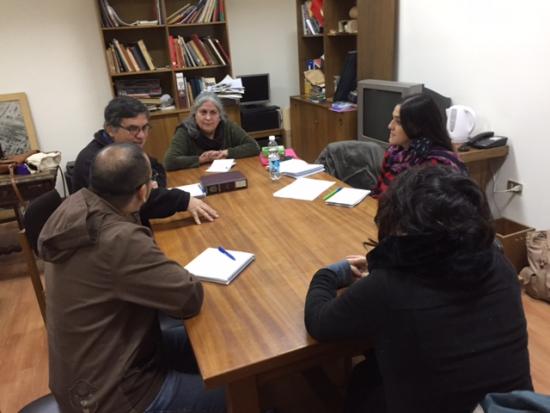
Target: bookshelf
(374,42)
(126,65)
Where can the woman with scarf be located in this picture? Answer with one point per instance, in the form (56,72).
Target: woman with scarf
(441,305)
(417,137)
(207,135)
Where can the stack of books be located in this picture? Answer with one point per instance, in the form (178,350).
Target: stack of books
(148,91)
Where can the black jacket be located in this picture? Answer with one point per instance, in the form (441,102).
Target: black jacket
(162,202)
(447,327)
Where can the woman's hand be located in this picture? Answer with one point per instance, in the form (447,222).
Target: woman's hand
(220,154)
(358,264)
(207,156)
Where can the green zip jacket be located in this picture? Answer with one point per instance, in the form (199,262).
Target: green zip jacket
(184,152)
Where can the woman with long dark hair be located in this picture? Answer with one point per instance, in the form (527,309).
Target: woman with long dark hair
(441,304)
(417,136)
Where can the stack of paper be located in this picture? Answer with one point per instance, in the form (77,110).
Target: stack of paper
(228,88)
(221,165)
(195,190)
(219,265)
(348,197)
(304,188)
(298,168)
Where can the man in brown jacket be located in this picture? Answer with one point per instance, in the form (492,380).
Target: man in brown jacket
(106,280)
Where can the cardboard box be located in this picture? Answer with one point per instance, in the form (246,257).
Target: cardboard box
(512,236)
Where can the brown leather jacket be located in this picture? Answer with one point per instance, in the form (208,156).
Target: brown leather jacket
(105,281)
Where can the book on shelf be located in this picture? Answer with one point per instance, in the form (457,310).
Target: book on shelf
(181,87)
(146,55)
(219,265)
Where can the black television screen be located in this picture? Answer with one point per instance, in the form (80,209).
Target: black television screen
(380,104)
(256,89)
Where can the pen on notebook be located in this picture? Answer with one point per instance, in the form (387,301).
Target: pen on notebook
(331,194)
(224,251)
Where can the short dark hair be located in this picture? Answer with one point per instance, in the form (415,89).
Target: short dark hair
(123,107)
(421,118)
(118,171)
(436,200)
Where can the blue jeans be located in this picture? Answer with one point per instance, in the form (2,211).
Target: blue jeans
(183,389)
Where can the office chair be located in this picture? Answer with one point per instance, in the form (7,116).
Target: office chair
(36,215)
(45,404)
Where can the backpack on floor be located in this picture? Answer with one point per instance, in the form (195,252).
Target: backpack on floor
(536,277)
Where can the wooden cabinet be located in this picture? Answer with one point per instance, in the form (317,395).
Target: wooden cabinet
(155,34)
(314,126)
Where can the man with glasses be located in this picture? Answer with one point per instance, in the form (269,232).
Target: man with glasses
(106,350)
(127,121)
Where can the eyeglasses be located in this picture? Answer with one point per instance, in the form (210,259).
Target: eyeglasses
(153,178)
(134,130)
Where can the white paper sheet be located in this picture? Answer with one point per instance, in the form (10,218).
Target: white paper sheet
(221,165)
(194,189)
(304,188)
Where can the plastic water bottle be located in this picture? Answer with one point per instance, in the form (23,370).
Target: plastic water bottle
(274,160)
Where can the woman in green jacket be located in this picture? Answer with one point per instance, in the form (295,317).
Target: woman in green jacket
(207,135)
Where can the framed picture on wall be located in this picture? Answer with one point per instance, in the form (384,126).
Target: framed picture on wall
(17,133)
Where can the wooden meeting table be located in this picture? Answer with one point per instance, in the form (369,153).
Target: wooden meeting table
(254,328)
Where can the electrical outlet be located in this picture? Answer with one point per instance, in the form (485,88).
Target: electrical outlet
(515,187)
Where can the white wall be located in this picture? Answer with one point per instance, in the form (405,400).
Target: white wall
(51,50)
(493,56)
(489,54)
(263,39)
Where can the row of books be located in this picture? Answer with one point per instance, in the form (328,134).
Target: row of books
(110,18)
(130,57)
(196,52)
(205,11)
(310,23)
(189,89)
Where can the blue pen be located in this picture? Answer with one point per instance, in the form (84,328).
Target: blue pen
(224,251)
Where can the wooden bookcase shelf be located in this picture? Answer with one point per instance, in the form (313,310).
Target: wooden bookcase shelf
(313,125)
(156,38)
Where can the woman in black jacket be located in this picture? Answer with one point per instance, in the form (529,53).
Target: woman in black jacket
(441,304)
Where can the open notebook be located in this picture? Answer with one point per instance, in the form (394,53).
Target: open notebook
(216,266)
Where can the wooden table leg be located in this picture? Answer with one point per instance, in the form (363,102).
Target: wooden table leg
(242,396)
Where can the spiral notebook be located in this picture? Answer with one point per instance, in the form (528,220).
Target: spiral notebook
(219,267)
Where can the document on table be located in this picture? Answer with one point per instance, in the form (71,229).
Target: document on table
(195,190)
(219,265)
(221,165)
(299,168)
(348,197)
(304,188)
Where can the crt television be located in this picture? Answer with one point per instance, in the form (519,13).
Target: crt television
(256,89)
(376,100)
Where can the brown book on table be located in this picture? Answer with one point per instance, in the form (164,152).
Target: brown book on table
(223,182)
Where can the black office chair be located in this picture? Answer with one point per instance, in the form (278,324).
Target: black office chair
(36,215)
(45,404)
